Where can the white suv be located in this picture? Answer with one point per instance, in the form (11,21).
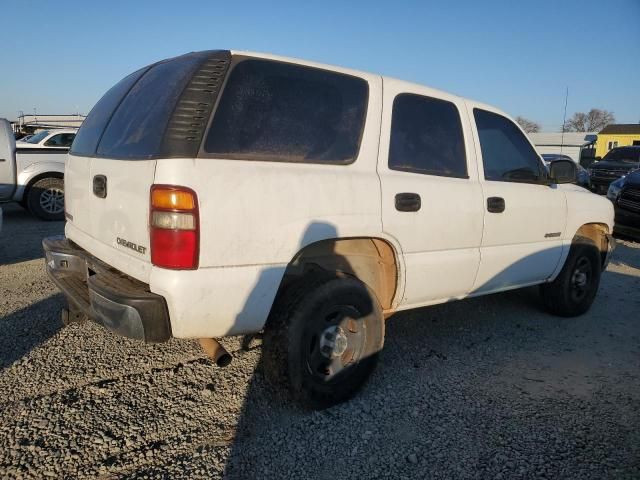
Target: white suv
(222,193)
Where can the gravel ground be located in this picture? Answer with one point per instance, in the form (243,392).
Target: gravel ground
(486,388)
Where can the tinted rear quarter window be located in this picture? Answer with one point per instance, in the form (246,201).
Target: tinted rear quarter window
(426,137)
(507,156)
(284,112)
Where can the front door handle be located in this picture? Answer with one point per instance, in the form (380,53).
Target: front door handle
(408,202)
(495,204)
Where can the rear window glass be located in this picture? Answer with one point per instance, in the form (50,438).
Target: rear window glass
(426,137)
(89,134)
(278,111)
(137,128)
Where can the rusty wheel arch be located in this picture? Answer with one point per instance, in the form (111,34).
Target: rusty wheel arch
(598,233)
(371,260)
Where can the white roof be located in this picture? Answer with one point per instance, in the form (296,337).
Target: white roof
(348,71)
(570,139)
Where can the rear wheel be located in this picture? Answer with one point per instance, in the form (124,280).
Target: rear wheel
(323,338)
(574,289)
(45,198)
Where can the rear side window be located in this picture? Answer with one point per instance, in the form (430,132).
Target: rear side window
(426,137)
(86,140)
(507,156)
(284,112)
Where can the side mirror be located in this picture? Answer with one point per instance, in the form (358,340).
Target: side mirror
(563,171)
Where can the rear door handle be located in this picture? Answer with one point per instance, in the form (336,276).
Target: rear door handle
(408,202)
(495,204)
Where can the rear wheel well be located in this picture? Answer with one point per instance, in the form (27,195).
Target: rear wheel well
(40,176)
(370,260)
(596,232)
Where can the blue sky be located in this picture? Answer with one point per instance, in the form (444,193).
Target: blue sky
(60,57)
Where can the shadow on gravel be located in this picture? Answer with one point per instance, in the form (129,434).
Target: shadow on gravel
(26,329)
(22,234)
(449,399)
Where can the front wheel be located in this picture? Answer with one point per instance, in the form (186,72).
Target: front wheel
(574,289)
(322,339)
(45,198)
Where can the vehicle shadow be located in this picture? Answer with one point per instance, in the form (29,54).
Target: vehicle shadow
(21,236)
(26,329)
(417,398)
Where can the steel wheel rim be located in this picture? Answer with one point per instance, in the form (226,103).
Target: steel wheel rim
(52,200)
(335,342)
(581,279)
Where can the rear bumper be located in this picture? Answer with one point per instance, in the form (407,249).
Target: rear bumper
(107,296)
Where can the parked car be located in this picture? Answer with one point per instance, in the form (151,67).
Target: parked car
(31,177)
(311,203)
(625,194)
(583,177)
(616,163)
(58,138)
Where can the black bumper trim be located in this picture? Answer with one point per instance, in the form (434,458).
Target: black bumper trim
(107,296)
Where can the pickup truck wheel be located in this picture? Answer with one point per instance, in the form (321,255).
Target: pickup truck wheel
(322,339)
(46,198)
(573,291)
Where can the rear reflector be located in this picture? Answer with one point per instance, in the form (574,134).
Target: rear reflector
(174,227)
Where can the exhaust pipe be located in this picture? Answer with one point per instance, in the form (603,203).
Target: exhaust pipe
(215,351)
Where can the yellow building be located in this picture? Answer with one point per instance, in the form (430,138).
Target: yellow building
(617,135)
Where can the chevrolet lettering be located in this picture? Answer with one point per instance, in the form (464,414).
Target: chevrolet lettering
(131,245)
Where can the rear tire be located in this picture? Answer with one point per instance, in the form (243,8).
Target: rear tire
(322,339)
(574,289)
(45,199)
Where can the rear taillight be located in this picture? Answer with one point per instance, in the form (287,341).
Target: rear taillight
(174,227)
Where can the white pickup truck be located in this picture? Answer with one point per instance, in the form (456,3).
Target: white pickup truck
(223,193)
(32,177)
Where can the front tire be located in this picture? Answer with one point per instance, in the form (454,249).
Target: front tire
(323,338)
(45,199)
(574,289)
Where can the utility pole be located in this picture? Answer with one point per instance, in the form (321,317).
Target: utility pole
(564,119)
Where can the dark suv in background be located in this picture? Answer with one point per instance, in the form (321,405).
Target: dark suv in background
(618,162)
(625,195)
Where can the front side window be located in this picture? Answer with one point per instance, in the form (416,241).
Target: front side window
(426,137)
(507,156)
(285,112)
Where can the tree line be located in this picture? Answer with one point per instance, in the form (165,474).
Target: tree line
(592,121)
